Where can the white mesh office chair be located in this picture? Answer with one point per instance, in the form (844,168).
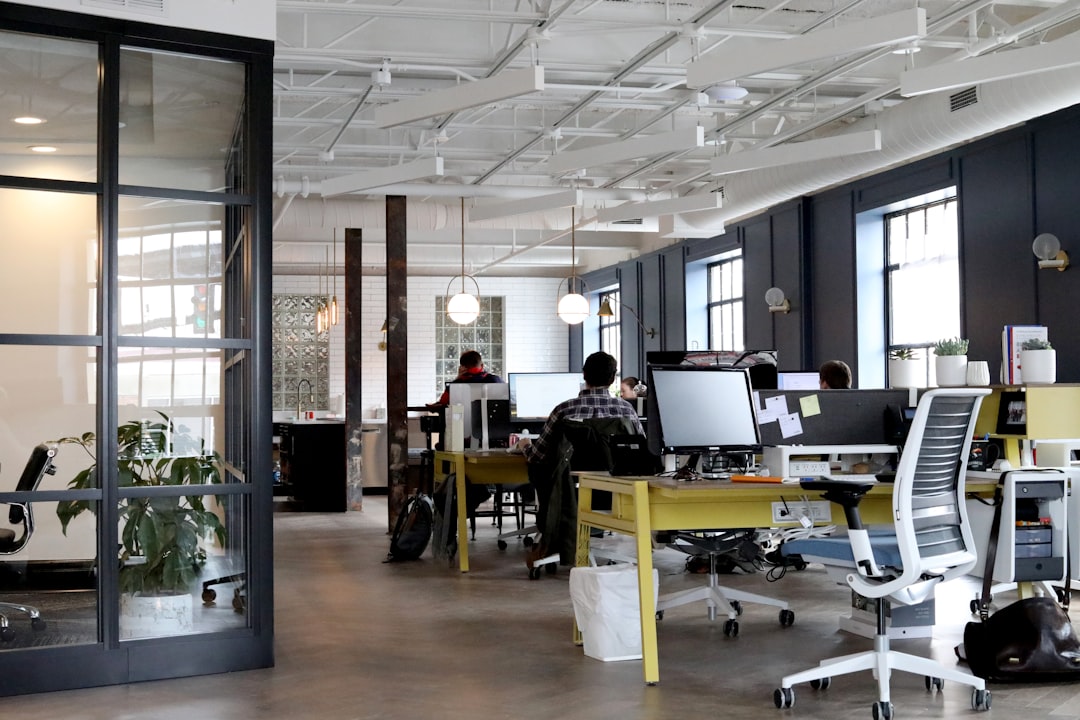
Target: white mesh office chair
(932,543)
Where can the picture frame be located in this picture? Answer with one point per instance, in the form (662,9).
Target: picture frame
(1012,413)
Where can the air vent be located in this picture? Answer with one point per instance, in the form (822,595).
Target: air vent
(146,7)
(962,99)
(634,221)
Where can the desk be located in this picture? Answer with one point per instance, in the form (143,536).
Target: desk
(479,467)
(641,505)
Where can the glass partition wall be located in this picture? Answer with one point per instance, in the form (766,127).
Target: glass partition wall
(133,186)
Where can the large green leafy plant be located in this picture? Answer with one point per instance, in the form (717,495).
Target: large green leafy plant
(160,552)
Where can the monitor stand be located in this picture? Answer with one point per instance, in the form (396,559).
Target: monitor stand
(689,469)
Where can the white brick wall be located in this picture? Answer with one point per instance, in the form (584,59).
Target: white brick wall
(536,339)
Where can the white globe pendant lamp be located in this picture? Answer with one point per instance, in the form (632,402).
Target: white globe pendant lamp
(463,308)
(573,307)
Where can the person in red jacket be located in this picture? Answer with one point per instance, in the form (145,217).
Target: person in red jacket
(470,370)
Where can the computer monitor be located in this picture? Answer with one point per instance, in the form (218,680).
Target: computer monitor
(798,381)
(464,394)
(761,364)
(533,395)
(701,409)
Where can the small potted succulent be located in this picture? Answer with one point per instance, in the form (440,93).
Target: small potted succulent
(950,362)
(1038,361)
(905,370)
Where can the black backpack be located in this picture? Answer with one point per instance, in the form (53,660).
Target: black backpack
(412,531)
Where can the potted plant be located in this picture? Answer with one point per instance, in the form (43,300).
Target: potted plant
(1038,361)
(950,362)
(160,537)
(905,371)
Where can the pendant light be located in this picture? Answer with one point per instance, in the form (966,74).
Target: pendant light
(573,306)
(333,299)
(463,308)
(319,328)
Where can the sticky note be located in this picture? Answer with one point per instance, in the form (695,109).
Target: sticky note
(809,405)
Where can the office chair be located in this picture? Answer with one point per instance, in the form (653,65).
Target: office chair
(582,445)
(21,514)
(932,543)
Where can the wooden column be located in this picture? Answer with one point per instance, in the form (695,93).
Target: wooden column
(397,357)
(354,411)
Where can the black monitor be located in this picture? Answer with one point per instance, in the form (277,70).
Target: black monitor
(534,395)
(696,409)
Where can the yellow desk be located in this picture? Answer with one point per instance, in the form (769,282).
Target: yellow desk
(642,505)
(479,467)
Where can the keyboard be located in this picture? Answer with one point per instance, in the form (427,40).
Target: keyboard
(856,478)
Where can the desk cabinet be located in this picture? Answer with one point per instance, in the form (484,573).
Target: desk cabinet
(312,457)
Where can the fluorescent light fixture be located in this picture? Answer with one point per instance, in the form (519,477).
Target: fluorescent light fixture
(505,85)
(655,208)
(639,147)
(416,170)
(1003,65)
(674,227)
(807,151)
(42,148)
(738,62)
(549,201)
(28,120)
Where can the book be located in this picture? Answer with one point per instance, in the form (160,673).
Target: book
(1012,340)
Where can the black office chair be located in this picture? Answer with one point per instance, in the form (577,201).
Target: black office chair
(22,516)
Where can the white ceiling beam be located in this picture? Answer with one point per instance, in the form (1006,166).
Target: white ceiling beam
(415,170)
(791,153)
(725,64)
(1004,65)
(638,147)
(656,208)
(503,86)
(673,227)
(548,201)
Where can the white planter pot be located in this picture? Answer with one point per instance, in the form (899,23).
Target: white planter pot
(1038,366)
(906,374)
(978,373)
(155,615)
(951,370)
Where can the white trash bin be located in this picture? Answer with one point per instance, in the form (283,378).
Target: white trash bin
(606,608)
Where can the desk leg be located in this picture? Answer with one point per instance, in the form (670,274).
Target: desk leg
(462,520)
(650,662)
(584,535)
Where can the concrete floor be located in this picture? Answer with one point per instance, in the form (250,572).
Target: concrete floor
(357,638)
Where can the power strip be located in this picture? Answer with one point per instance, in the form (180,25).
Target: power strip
(818,512)
(808,467)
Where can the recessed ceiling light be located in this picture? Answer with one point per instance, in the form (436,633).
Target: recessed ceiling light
(43,148)
(28,120)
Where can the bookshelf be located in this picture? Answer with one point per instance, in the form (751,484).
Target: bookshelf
(1051,412)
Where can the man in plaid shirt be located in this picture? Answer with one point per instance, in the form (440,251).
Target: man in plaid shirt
(595,401)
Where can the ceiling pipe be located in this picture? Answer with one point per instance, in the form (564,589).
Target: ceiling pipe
(288,187)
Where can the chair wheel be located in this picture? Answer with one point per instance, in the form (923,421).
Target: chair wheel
(883,711)
(534,573)
(659,614)
(209,596)
(934,683)
(784,697)
(7,633)
(528,541)
(731,628)
(502,544)
(974,606)
(980,700)
(821,683)
(38,623)
(737,607)
(787,618)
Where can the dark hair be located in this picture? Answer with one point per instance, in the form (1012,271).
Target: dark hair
(835,374)
(630,381)
(599,370)
(471,359)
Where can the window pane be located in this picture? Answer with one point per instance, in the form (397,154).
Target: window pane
(51,86)
(179,117)
(48,262)
(170,268)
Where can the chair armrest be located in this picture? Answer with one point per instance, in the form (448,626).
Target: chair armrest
(846,494)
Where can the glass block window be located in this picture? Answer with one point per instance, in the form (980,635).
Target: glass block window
(299,353)
(485,335)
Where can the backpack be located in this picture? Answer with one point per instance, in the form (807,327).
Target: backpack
(412,531)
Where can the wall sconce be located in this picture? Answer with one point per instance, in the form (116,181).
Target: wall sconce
(382,343)
(606,311)
(1048,249)
(774,298)
(573,307)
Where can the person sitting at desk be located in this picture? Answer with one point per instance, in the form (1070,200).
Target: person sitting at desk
(595,402)
(835,375)
(470,370)
(631,388)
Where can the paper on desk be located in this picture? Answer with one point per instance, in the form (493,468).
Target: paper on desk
(809,405)
(790,425)
(774,407)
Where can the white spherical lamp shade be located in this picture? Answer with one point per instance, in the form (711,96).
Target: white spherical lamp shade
(573,308)
(463,308)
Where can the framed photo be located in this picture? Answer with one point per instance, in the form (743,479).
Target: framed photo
(1012,413)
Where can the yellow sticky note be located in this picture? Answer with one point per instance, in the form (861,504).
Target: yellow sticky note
(809,405)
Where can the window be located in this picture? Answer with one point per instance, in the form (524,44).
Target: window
(611,327)
(726,302)
(922,277)
(485,335)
